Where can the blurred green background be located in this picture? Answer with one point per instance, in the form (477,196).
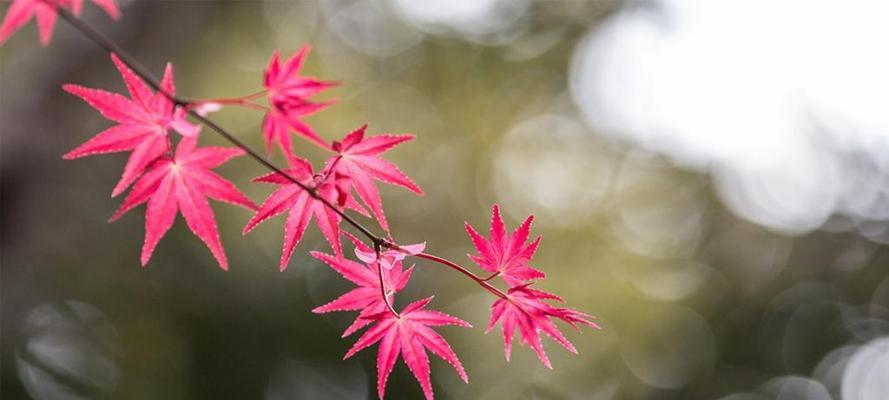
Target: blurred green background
(696,299)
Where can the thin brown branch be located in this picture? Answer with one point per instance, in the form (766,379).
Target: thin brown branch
(109,45)
(383,290)
(378,242)
(457,267)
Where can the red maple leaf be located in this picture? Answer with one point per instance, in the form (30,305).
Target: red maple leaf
(288,94)
(21,11)
(367,297)
(409,335)
(358,158)
(302,206)
(525,310)
(143,122)
(281,119)
(506,254)
(182,183)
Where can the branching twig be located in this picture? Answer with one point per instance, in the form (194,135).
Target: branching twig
(109,45)
(378,242)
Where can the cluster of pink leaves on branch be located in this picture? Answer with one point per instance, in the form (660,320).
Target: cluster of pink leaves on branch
(172,175)
(168,181)
(408,333)
(351,170)
(288,94)
(44,11)
(507,256)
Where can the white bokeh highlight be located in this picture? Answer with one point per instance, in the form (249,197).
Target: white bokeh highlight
(784,102)
(477,20)
(865,376)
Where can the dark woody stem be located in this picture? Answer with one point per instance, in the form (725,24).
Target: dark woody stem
(242,102)
(383,290)
(492,276)
(107,44)
(238,100)
(378,242)
(483,282)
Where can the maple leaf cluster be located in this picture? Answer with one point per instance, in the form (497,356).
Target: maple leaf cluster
(46,13)
(169,172)
(169,180)
(288,96)
(408,335)
(348,175)
(177,178)
(506,255)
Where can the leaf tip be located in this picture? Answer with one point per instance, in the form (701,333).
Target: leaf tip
(70,87)
(118,189)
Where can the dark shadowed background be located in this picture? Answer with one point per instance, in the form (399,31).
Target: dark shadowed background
(711,179)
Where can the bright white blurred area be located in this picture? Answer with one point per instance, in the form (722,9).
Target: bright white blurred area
(865,376)
(471,19)
(783,102)
(388,28)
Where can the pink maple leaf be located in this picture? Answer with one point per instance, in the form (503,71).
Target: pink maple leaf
(143,122)
(506,254)
(21,11)
(408,335)
(390,257)
(302,206)
(367,297)
(359,159)
(183,183)
(525,310)
(288,94)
